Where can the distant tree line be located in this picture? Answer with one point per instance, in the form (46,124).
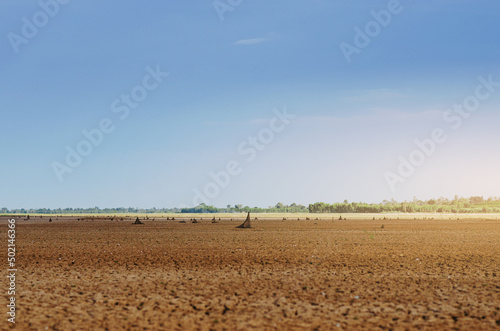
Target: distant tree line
(203,208)
(278,208)
(95,210)
(442,205)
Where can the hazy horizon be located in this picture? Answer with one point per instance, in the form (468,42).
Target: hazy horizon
(233,206)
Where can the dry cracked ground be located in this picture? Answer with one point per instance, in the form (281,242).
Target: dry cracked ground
(287,275)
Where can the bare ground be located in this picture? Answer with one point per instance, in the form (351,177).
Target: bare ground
(317,274)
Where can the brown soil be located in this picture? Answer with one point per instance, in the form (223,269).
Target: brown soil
(287,275)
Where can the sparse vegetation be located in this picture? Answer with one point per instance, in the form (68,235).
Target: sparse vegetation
(441,205)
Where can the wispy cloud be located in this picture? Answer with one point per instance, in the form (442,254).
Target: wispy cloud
(251,41)
(376,94)
(255,41)
(380,115)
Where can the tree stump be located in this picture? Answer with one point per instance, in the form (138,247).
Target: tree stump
(246,224)
(137,221)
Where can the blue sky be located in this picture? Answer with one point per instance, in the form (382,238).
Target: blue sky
(226,80)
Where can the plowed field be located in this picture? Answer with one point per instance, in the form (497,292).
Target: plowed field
(318,274)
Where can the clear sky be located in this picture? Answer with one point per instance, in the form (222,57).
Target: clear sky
(359,80)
